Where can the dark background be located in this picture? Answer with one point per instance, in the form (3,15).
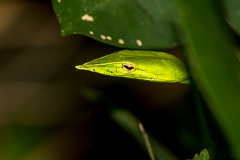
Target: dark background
(50,110)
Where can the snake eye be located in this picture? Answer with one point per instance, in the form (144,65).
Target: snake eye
(128,67)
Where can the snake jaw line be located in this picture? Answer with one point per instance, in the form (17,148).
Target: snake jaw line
(79,67)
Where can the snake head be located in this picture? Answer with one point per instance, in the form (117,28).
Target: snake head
(144,65)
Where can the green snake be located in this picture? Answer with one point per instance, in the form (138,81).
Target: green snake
(143,65)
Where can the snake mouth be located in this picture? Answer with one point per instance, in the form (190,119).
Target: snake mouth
(79,67)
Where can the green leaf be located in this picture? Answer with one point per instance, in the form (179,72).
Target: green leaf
(203,156)
(214,64)
(232,8)
(138,24)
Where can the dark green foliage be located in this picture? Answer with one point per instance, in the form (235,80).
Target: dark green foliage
(202,156)
(204,27)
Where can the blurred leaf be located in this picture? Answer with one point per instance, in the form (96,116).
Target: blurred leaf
(202,156)
(214,64)
(140,24)
(130,123)
(19,141)
(232,8)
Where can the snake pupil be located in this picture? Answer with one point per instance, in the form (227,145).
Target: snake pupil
(128,67)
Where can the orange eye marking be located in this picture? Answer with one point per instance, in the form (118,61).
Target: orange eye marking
(128,67)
